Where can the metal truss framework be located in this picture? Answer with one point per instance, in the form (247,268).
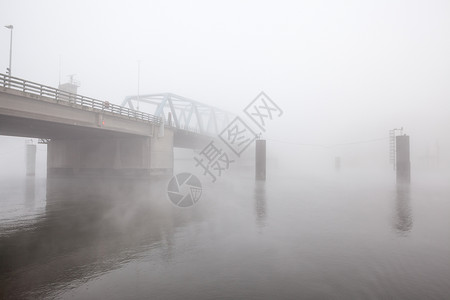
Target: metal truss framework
(182,113)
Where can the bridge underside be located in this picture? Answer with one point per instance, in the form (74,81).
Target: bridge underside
(190,140)
(24,127)
(130,156)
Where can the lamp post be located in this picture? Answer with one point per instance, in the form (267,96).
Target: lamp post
(139,83)
(10,27)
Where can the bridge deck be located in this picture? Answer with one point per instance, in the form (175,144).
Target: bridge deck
(29,109)
(34,110)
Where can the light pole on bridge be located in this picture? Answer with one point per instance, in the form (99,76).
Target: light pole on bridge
(10,27)
(139,84)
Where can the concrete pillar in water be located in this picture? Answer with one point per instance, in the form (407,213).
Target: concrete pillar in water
(260,160)
(403,164)
(31,159)
(111,157)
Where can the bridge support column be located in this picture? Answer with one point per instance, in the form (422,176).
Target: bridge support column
(403,164)
(31,159)
(134,156)
(260,160)
(161,153)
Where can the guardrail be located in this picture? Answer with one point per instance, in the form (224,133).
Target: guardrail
(76,100)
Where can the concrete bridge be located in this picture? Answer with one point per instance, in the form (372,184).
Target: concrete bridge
(89,136)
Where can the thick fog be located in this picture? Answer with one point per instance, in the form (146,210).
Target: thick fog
(329,222)
(343,72)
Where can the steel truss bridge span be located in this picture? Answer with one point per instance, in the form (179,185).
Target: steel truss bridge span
(181,112)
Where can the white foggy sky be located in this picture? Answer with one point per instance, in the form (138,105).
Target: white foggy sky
(341,70)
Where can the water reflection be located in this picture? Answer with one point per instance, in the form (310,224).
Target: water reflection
(403,220)
(90,226)
(260,202)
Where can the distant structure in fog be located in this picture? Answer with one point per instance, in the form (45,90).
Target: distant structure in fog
(400,154)
(71,86)
(392,145)
(30,157)
(337,163)
(403,164)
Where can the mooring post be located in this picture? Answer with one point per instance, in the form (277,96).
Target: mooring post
(260,160)
(31,159)
(402,158)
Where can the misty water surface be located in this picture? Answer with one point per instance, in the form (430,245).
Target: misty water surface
(344,74)
(347,234)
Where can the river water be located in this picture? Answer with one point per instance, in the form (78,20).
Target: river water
(339,236)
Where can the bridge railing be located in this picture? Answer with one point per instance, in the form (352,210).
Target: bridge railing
(76,100)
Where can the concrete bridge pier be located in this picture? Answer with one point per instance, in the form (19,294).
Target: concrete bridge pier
(112,156)
(403,164)
(30,159)
(260,160)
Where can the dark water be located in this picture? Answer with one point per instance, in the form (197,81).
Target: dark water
(343,236)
